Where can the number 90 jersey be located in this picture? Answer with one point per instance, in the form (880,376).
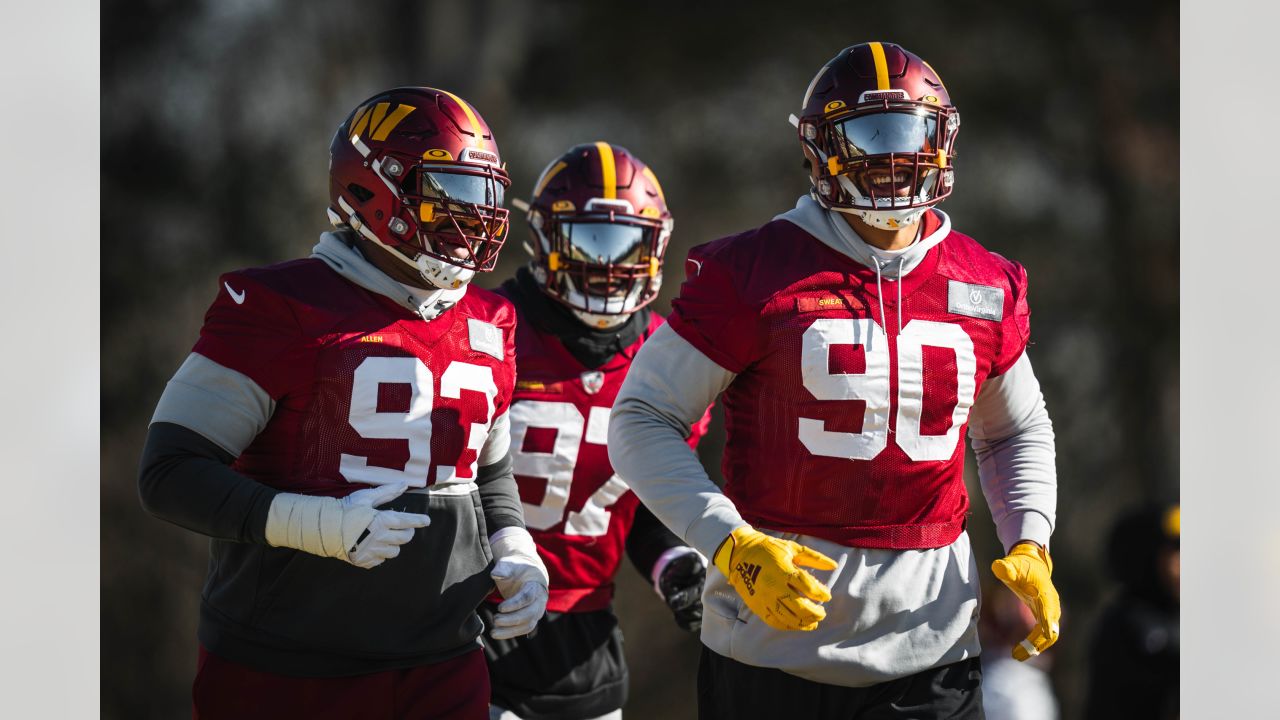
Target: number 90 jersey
(366,392)
(847,417)
(578,511)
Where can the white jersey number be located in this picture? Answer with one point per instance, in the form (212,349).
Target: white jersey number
(872,387)
(413,425)
(556,467)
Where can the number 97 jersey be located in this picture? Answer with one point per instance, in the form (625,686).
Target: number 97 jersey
(578,511)
(847,415)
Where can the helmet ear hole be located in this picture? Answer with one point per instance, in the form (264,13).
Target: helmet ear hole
(361,193)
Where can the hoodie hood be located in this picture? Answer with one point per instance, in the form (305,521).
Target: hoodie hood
(347,261)
(833,231)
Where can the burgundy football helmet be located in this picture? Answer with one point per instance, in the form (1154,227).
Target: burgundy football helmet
(600,227)
(879,131)
(416,170)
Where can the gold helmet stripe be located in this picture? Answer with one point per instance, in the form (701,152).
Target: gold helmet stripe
(471,116)
(546,177)
(654,179)
(882,66)
(608,170)
(391,122)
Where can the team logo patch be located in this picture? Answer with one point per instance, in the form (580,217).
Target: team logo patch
(979,301)
(592,381)
(814,303)
(485,337)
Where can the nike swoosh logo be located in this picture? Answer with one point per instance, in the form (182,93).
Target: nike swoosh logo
(237,296)
(697,264)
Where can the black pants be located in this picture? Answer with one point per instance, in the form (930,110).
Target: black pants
(730,690)
(574,666)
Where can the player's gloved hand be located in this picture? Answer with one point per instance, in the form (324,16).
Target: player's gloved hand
(678,577)
(349,528)
(1026,570)
(522,581)
(766,572)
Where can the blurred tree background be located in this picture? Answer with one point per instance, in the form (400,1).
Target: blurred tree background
(216,121)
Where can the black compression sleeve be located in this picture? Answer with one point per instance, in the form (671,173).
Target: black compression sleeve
(185,478)
(499,495)
(648,539)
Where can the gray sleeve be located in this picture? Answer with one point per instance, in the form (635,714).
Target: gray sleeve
(647,430)
(497,445)
(499,495)
(217,402)
(1012,438)
(207,415)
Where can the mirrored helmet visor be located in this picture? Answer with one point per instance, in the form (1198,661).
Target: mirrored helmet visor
(602,242)
(457,187)
(887,132)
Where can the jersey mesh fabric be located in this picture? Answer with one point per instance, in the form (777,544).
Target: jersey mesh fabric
(748,302)
(301,332)
(581,565)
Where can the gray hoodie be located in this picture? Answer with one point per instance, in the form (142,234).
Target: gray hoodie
(893,613)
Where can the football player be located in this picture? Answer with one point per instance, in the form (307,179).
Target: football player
(856,338)
(599,228)
(340,430)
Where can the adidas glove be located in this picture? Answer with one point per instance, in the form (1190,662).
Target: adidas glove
(350,528)
(1026,570)
(522,581)
(678,576)
(766,572)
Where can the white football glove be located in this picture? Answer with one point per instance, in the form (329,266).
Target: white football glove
(349,528)
(522,581)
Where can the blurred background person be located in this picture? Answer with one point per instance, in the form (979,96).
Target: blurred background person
(1012,690)
(1133,660)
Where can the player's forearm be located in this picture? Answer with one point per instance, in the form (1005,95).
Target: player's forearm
(648,539)
(647,431)
(499,495)
(1013,440)
(185,479)
(1020,485)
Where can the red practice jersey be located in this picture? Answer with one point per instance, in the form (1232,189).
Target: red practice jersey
(846,420)
(366,391)
(576,508)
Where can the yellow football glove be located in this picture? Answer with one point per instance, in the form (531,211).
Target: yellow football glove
(764,570)
(1026,570)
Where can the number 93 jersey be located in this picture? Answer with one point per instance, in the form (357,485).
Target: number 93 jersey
(578,511)
(366,392)
(847,415)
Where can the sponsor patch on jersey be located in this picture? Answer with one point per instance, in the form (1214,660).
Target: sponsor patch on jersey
(485,337)
(537,386)
(979,301)
(814,303)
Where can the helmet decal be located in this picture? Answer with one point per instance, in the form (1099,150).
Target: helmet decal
(416,170)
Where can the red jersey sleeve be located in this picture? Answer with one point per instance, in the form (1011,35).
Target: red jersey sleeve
(251,329)
(711,315)
(1017,320)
